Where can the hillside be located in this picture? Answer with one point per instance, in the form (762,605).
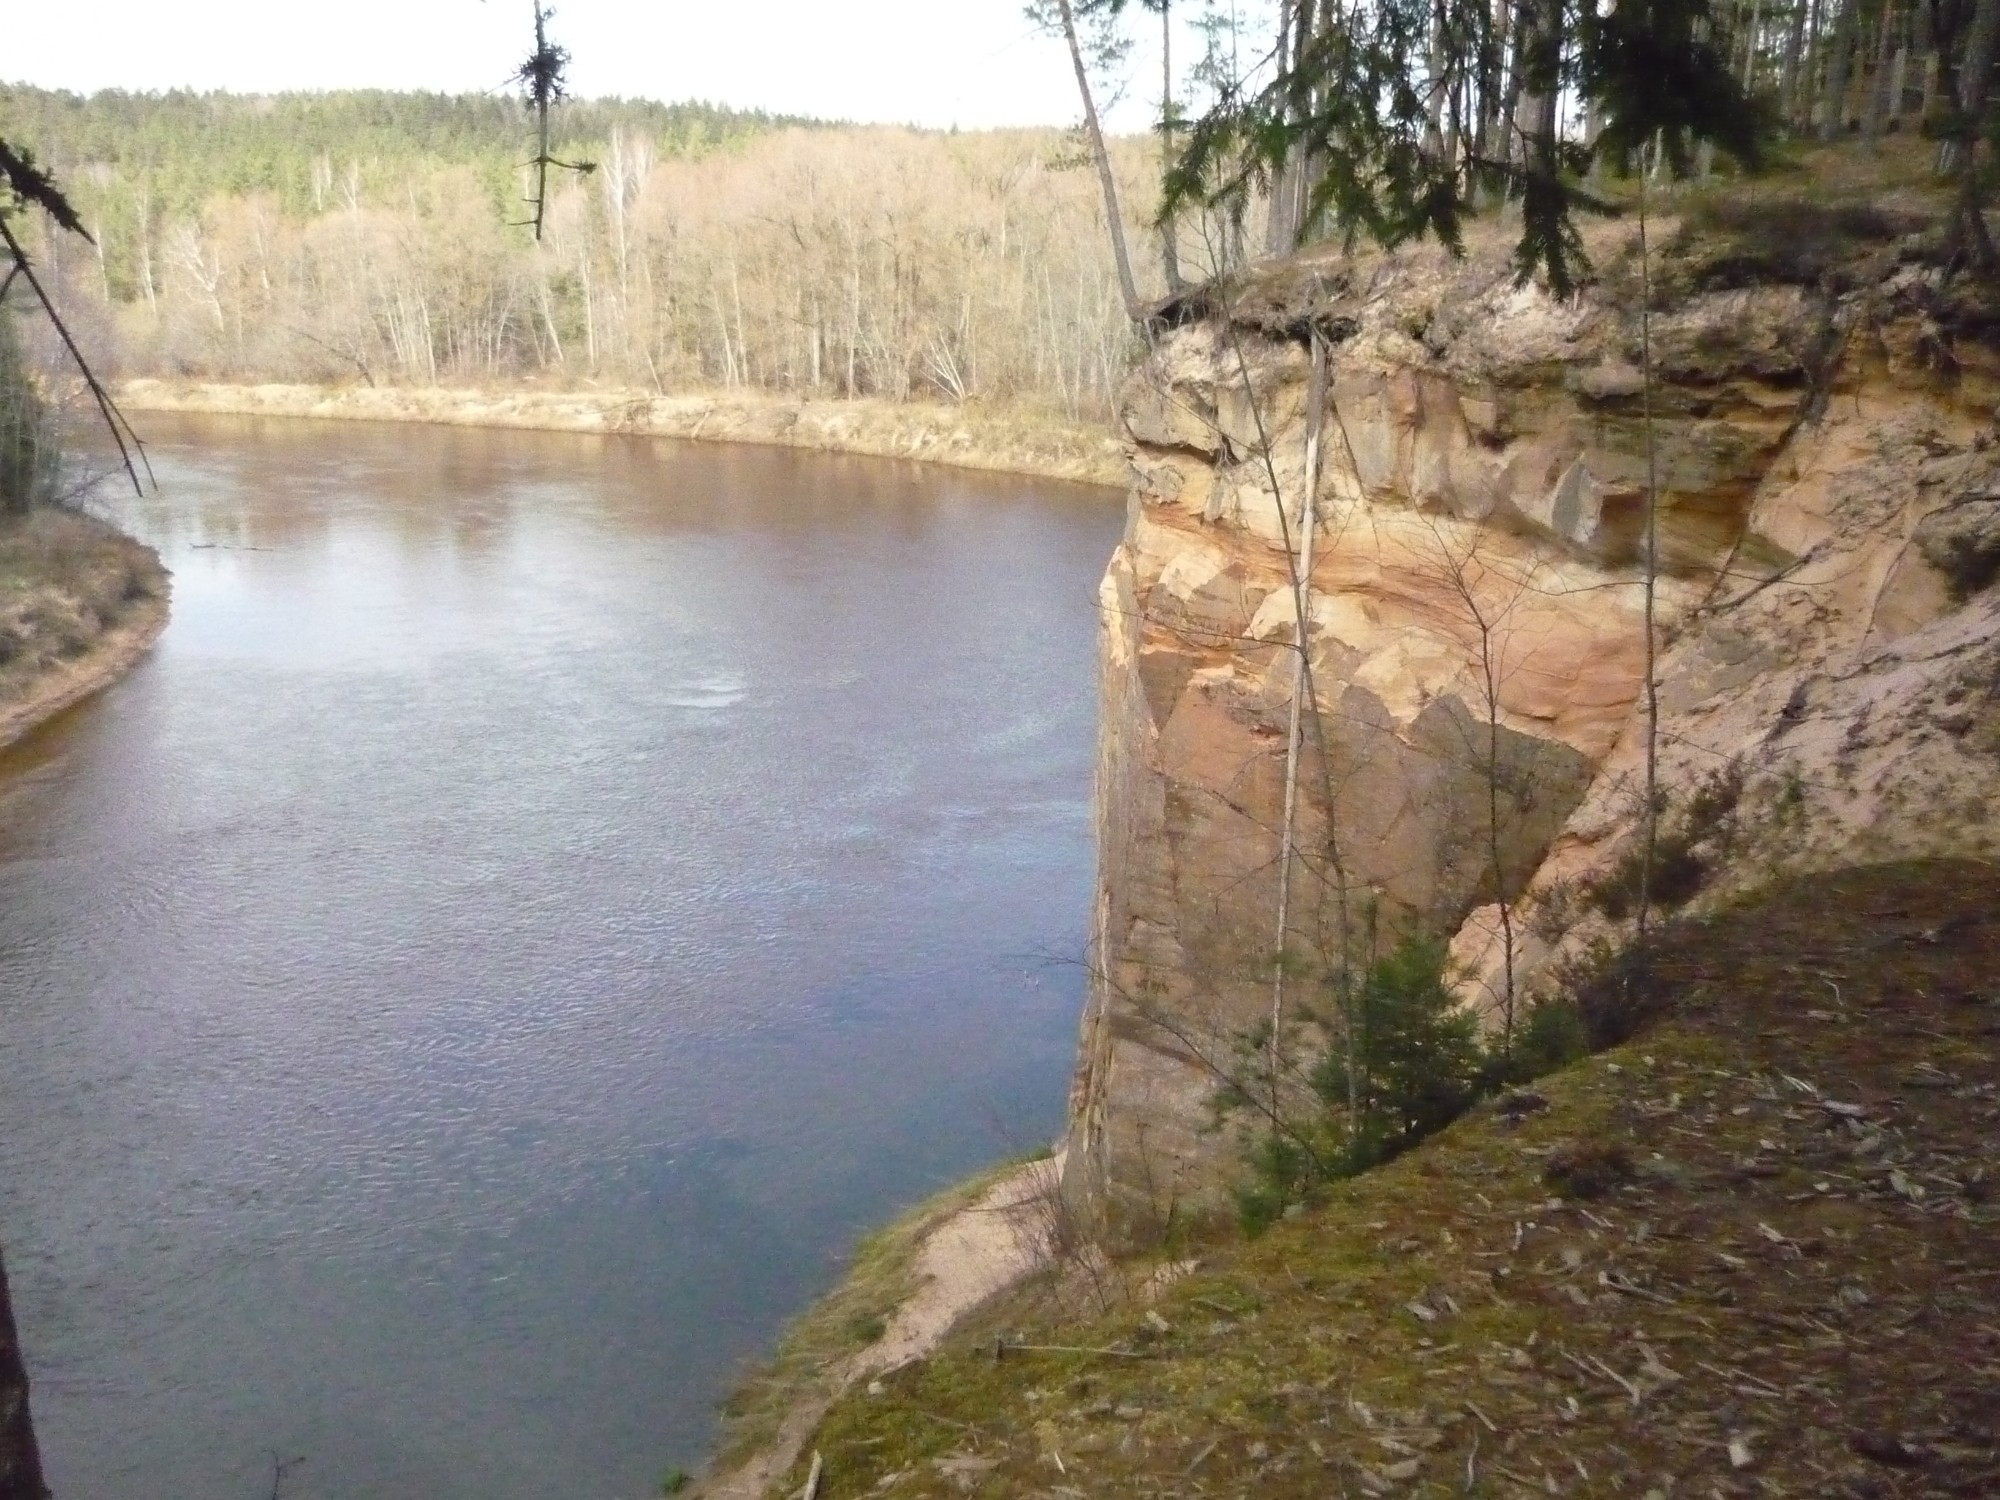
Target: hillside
(376,239)
(1422,712)
(184,147)
(1751,1251)
(1373,652)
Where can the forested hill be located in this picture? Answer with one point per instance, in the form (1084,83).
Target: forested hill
(378,237)
(191,146)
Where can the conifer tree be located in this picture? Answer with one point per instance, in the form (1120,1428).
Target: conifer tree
(1397,110)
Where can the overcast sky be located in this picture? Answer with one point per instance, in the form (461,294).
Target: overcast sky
(931,62)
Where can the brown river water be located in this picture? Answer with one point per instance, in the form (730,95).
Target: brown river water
(543,899)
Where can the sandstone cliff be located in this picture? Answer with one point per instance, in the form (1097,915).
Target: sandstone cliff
(1829,531)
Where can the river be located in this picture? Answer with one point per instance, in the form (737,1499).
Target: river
(543,898)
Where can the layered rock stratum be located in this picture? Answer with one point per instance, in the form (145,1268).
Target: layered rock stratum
(1470,759)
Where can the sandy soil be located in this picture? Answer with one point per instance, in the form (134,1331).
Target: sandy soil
(972,1257)
(1010,440)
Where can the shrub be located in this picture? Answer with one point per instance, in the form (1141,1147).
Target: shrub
(867,1328)
(1708,818)
(1550,1037)
(1417,1052)
(1416,1064)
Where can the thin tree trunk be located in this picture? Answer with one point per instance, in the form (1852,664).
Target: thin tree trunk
(1795,41)
(1973,76)
(1833,122)
(1170,250)
(1492,89)
(1511,148)
(1878,80)
(1101,158)
(1434,83)
(1652,566)
(146,254)
(1488,669)
(1301,685)
(1279,231)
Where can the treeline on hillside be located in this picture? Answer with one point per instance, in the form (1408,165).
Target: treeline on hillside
(376,237)
(182,148)
(1396,118)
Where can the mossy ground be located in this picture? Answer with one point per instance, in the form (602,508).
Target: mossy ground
(1751,1252)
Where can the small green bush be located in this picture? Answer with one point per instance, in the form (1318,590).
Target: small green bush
(1416,1065)
(1551,1036)
(867,1328)
(1706,818)
(1418,1055)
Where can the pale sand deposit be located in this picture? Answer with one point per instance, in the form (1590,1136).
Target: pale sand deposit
(972,1257)
(1008,440)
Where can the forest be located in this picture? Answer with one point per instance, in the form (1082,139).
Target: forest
(379,238)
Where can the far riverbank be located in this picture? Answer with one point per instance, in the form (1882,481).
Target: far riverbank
(997,439)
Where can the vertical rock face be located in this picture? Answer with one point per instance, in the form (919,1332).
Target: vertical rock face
(1473,638)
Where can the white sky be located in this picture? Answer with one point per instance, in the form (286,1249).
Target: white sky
(931,62)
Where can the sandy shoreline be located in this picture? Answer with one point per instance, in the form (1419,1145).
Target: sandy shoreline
(969,437)
(965,1261)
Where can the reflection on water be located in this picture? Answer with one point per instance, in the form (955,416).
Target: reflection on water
(542,898)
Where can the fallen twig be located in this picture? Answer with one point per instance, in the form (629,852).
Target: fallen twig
(1620,1283)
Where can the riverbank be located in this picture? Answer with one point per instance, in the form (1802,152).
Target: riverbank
(1015,440)
(80,604)
(1750,1250)
(909,1285)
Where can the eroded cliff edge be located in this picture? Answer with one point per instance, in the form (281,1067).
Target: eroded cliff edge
(1829,478)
